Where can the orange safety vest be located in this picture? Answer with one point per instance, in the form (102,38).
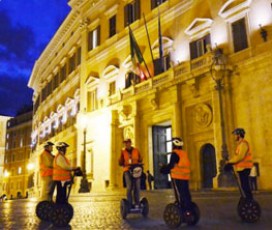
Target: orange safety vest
(247,162)
(45,170)
(133,158)
(181,170)
(60,174)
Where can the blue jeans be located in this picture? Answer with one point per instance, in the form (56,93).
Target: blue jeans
(133,185)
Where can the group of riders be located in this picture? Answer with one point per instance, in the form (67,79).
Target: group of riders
(55,171)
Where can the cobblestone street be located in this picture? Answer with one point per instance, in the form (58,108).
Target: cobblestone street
(101,211)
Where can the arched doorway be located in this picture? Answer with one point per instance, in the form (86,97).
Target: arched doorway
(208,165)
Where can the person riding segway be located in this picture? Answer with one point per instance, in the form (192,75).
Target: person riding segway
(183,210)
(62,211)
(248,209)
(46,159)
(131,161)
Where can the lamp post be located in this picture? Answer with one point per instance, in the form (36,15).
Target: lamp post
(218,70)
(84,186)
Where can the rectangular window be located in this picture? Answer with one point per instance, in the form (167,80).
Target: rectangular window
(92,100)
(132,12)
(239,35)
(131,79)
(156,3)
(199,47)
(55,81)
(63,73)
(72,63)
(112,23)
(94,38)
(112,88)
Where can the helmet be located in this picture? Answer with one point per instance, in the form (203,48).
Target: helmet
(239,131)
(127,140)
(61,145)
(47,144)
(177,141)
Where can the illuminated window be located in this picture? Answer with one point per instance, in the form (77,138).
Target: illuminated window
(199,47)
(94,38)
(239,35)
(132,12)
(20,170)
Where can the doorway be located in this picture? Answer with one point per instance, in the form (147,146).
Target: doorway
(208,165)
(161,139)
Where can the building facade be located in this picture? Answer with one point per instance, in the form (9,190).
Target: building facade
(205,72)
(17,179)
(3,126)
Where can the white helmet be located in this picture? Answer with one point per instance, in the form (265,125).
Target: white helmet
(177,141)
(61,145)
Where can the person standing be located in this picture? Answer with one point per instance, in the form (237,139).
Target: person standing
(179,169)
(62,172)
(242,161)
(150,178)
(131,156)
(46,159)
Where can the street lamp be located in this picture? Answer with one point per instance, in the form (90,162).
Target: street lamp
(84,186)
(218,70)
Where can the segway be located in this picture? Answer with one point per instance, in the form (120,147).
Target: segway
(248,210)
(125,207)
(176,213)
(59,214)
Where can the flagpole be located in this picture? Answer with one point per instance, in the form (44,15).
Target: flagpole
(160,40)
(148,39)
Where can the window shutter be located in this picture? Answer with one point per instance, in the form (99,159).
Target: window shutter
(126,23)
(137,9)
(193,50)
(90,40)
(239,35)
(153,4)
(207,41)
(98,36)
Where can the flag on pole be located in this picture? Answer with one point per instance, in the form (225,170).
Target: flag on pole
(136,56)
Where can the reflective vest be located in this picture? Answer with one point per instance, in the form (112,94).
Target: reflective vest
(46,170)
(247,162)
(181,170)
(60,174)
(133,158)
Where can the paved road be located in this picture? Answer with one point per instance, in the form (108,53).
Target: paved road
(101,211)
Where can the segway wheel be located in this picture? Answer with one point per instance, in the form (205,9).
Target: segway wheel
(62,215)
(249,211)
(44,210)
(124,208)
(145,207)
(192,216)
(172,216)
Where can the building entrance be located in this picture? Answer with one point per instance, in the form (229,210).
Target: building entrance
(208,165)
(161,137)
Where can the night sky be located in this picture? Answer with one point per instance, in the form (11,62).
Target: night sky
(26,27)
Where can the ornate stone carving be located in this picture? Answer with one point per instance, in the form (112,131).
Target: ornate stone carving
(154,103)
(128,132)
(202,115)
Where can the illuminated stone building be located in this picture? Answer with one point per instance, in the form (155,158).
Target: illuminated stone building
(3,126)
(17,154)
(210,75)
